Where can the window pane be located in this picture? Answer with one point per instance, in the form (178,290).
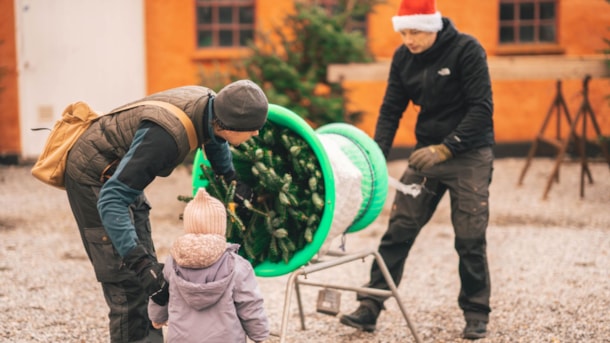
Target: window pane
(526,11)
(245,36)
(224,23)
(507,34)
(225,37)
(547,10)
(547,33)
(507,12)
(528,21)
(204,38)
(526,33)
(225,15)
(204,15)
(246,15)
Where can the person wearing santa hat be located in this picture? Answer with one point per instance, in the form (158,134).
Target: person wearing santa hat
(443,73)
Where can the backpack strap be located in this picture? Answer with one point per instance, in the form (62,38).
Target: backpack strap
(184,119)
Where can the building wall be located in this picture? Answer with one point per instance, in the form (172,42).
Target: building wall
(172,55)
(523,87)
(10,138)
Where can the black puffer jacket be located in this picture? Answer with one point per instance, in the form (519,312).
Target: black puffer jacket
(450,83)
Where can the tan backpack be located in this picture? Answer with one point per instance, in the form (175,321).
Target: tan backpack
(76,118)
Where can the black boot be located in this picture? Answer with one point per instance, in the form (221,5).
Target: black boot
(475,329)
(364,318)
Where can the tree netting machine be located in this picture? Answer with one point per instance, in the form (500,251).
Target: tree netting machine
(311,183)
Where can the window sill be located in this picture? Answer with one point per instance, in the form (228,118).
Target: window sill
(529,49)
(220,54)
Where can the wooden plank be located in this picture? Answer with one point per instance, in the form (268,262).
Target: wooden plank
(500,68)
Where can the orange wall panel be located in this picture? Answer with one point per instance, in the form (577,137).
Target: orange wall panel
(173,58)
(583,24)
(520,105)
(170,42)
(383,40)
(519,108)
(367,97)
(10,138)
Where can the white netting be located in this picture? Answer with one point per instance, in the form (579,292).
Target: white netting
(348,192)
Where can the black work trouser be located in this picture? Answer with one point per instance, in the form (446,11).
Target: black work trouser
(127,301)
(467,178)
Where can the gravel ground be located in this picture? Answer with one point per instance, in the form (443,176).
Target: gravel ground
(549,262)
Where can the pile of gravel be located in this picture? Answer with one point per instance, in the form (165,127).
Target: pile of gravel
(549,262)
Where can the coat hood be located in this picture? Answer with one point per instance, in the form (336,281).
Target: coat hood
(202,288)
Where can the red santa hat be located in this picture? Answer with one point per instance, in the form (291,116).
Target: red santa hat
(418,15)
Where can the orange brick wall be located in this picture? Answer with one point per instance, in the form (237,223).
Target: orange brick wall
(10,139)
(172,56)
(173,60)
(520,105)
(519,108)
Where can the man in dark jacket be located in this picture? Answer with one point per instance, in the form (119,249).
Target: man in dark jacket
(118,156)
(445,74)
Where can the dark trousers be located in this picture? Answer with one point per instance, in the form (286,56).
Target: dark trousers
(467,178)
(127,301)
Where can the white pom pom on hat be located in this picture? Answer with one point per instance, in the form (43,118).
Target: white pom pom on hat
(418,15)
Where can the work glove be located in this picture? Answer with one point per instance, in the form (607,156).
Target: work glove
(428,156)
(242,190)
(149,272)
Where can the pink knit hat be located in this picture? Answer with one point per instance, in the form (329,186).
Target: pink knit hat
(205,214)
(205,225)
(419,15)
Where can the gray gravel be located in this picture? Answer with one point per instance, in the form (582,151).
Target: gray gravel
(549,261)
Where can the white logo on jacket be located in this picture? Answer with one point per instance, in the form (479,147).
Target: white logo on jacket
(444,72)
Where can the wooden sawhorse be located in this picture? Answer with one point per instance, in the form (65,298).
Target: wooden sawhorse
(584,113)
(337,259)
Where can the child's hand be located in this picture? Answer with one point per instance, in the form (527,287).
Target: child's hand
(158,325)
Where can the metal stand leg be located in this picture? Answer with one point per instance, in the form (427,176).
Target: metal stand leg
(299,303)
(339,259)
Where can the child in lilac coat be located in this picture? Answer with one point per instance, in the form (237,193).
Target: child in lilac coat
(214,296)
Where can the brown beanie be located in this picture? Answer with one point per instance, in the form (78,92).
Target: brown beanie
(205,224)
(241,106)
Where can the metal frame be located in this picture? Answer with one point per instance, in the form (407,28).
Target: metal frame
(338,258)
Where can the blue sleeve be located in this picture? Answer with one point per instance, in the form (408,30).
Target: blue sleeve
(152,150)
(220,157)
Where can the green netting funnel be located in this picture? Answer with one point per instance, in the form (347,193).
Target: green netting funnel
(346,155)
(365,155)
